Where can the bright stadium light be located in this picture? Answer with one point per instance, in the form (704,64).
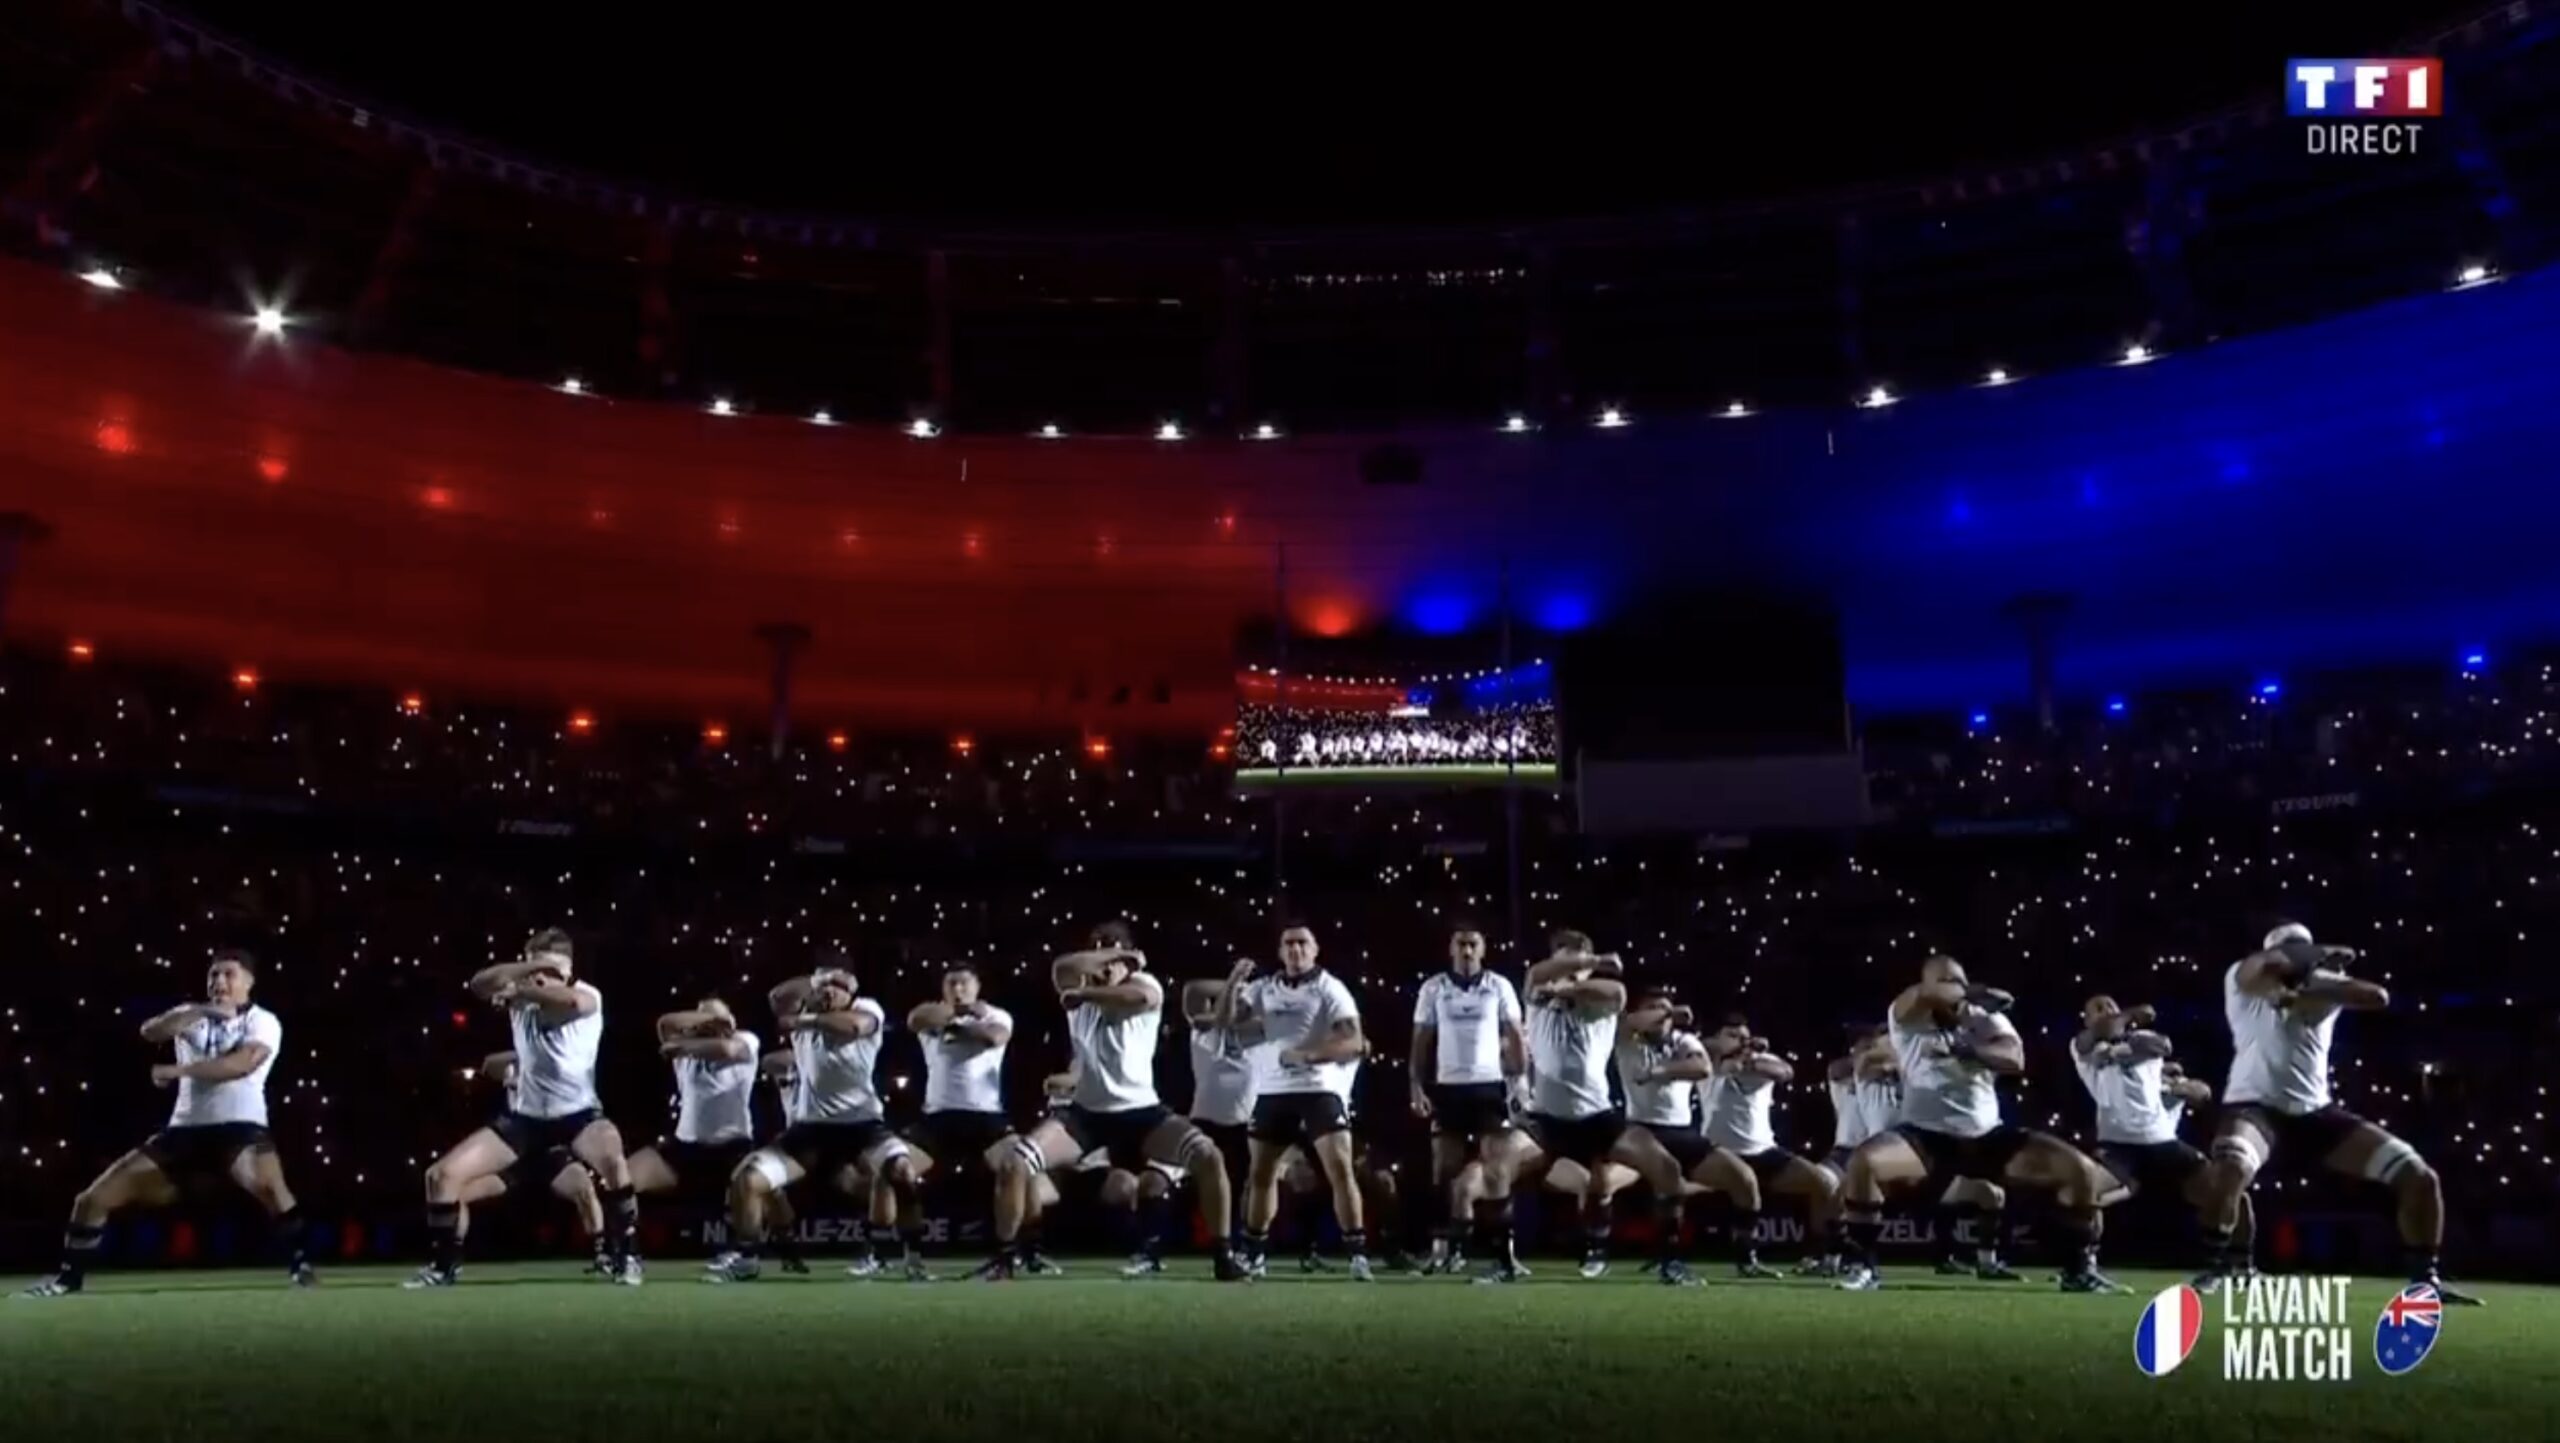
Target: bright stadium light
(1878,396)
(2474,274)
(573,386)
(269,320)
(1169,431)
(1612,418)
(1996,377)
(922,429)
(1515,423)
(1050,432)
(1736,408)
(102,278)
(722,406)
(1266,432)
(2137,353)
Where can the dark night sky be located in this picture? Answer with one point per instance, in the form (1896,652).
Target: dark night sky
(1279,114)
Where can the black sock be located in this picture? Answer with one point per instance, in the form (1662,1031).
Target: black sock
(748,1248)
(1355,1242)
(444,1236)
(911,1240)
(1493,1230)
(1990,1233)
(1742,1231)
(2077,1238)
(292,1242)
(2217,1248)
(1155,1219)
(1955,1233)
(1596,1228)
(1306,1219)
(622,1223)
(603,1248)
(1257,1245)
(2422,1261)
(1029,1239)
(80,1244)
(781,1245)
(1666,1231)
(1861,1229)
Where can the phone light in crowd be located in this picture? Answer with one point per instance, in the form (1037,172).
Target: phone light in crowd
(270,321)
(582,723)
(82,651)
(1997,376)
(1515,424)
(722,406)
(1878,397)
(715,734)
(2136,354)
(1050,432)
(922,429)
(1169,431)
(1266,432)
(571,385)
(412,704)
(1736,408)
(838,741)
(102,278)
(2115,706)
(822,418)
(244,679)
(964,746)
(1612,418)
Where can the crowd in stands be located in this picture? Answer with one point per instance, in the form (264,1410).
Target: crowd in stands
(144,820)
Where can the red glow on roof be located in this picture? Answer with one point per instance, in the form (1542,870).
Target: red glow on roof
(1097,748)
(245,679)
(838,741)
(962,745)
(413,703)
(581,723)
(272,468)
(715,734)
(83,651)
(115,438)
(437,498)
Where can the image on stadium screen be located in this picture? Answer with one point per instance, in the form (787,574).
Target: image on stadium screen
(899,725)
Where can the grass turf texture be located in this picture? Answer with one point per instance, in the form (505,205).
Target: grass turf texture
(536,1351)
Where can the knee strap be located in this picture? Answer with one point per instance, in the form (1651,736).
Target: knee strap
(770,1165)
(1031,1154)
(2241,1148)
(2390,1160)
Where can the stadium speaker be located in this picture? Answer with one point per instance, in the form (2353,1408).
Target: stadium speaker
(1392,463)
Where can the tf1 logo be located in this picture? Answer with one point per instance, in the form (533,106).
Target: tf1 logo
(2363,89)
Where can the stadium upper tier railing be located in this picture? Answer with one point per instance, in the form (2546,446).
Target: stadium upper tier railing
(188,162)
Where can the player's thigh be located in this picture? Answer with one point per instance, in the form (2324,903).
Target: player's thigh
(2047,1163)
(1448,1156)
(651,1173)
(482,1154)
(1056,1146)
(1614,1178)
(1509,1156)
(1803,1178)
(1889,1160)
(2367,1148)
(1565,1175)
(599,1146)
(1722,1172)
(2245,1140)
(1975,1192)
(1119,1188)
(767,1169)
(259,1172)
(1335,1154)
(994,1156)
(573,1183)
(1270,1160)
(1176,1141)
(134,1180)
(488,1187)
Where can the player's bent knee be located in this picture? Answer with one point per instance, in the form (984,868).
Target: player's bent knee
(2396,1164)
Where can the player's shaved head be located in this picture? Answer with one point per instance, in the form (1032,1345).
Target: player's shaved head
(2097,1007)
(1942,969)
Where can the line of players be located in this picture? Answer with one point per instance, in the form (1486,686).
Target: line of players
(1517,1094)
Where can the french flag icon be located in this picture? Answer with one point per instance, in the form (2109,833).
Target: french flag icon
(2168,1330)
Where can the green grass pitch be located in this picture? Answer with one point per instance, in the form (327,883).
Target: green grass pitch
(537,1352)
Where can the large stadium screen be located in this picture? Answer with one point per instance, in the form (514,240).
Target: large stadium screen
(1492,727)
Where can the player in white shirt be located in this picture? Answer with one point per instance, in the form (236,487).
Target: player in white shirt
(1226,1079)
(2282,1003)
(1954,1043)
(1468,1051)
(1309,1046)
(964,1130)
(834,1035)
(1115,1012)
(556,1172)
(1574,1004)
(1736,1101)
(224,1047)
(558,1024)
(2126,1068)
(714,1062)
